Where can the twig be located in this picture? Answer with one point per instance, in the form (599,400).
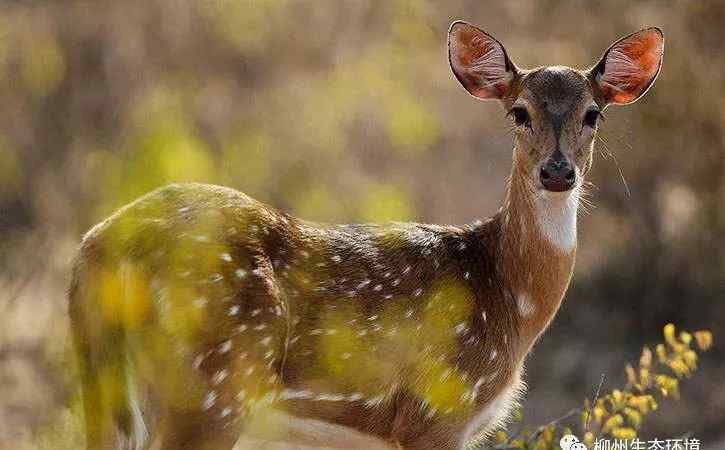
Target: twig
(591,405)
(556,421)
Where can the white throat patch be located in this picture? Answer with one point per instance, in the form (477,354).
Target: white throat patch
(556,217)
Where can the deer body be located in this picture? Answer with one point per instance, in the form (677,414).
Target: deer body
(217,315)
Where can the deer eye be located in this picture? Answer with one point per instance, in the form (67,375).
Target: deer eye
(592,117)
(520,115)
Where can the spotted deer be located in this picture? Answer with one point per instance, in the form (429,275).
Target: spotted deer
(204,319)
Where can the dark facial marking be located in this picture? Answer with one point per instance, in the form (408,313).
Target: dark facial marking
(557,91)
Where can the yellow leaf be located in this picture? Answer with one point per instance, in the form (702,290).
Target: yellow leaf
(501,437)
(598,414)
(613,422)
(679,367)
(669,332)
(690,359)
(661,351)
(624,433)
(617,399)
(634,417)
(645,361)
(685,337)
(644,377)
(704,339)
(643,403)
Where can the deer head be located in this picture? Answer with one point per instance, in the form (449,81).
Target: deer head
(555,109)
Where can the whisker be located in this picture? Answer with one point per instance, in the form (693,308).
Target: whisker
(609,154)
(585,193)
(624,181)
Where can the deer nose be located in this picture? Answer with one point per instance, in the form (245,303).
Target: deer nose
(557,175)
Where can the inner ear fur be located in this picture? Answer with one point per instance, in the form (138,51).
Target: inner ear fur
(628,67)
(480,62)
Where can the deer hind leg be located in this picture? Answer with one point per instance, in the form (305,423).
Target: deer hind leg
(233,369)
(284,431)
(191,430)
(99,340)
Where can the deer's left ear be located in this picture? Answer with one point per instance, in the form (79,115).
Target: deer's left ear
(629,67)
(480,62)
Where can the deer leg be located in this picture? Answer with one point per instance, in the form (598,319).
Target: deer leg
(283,431)
(184,430)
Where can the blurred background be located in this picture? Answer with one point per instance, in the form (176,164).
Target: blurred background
(347,111)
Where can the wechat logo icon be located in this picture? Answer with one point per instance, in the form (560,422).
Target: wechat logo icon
(571,442)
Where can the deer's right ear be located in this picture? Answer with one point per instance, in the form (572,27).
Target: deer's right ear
(480,62)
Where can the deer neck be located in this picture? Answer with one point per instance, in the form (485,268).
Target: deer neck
(538,246)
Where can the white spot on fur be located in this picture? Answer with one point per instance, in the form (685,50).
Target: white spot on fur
(217,277)
(209,400)
(220,376)
(198,360)
(526,306)
(289,394)
(225,346)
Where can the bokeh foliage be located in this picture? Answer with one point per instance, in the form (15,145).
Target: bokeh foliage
(618,416)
